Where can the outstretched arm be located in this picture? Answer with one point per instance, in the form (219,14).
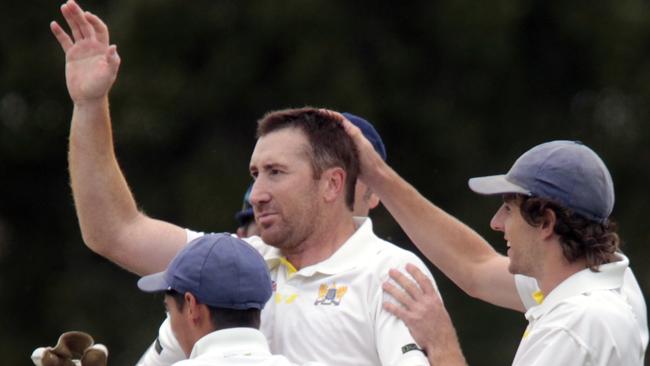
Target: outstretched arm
(426,317)
(110,222)
(457,250)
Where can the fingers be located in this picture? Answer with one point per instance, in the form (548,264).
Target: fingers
(424,282)
(67,13)
(396,310)
(64,39)
(79,26)
(402,297)
(407,284)
(101,30)
(112,57)
(348,126)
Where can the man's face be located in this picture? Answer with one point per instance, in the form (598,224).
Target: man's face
(524,249)
(285,196)
(179,325)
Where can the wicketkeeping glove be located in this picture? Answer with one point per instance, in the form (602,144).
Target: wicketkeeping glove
(73,349)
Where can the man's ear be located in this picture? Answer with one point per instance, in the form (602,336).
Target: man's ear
(192,306)
(197,313)
(333,183)
(373,201)
(548,223)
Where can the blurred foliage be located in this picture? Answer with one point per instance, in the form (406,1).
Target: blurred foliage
(457,88)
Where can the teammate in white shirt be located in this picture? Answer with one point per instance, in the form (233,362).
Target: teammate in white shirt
(305,169)
(563,268)
(214,291)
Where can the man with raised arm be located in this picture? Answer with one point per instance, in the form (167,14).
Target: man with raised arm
(563,268)
(327,266)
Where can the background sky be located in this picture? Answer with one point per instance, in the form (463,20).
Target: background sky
(456,88)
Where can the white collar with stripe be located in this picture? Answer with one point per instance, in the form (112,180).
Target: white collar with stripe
(359,245)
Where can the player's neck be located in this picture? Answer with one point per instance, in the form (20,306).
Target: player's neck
(557,273)
(331,234)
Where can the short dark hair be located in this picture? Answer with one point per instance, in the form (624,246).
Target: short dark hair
(580,237)
(330,144)
(223,318)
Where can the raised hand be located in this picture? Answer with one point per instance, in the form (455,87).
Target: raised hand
(91,63)
(369,160)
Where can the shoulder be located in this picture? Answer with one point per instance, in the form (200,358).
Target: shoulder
(389,255)
(596,312)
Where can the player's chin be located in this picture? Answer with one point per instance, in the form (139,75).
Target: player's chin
(272,236)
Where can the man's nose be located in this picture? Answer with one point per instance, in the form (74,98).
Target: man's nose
(259,194)
(497,220)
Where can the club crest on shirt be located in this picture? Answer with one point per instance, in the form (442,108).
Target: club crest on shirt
(330,295)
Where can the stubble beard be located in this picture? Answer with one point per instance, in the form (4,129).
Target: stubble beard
(290,237)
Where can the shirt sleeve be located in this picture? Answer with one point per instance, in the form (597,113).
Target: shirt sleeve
(165,350)
(395,345)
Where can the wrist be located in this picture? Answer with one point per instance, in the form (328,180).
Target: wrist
(90,103)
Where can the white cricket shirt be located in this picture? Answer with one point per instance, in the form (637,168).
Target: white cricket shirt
(591,318)
(234,347)
(330,312)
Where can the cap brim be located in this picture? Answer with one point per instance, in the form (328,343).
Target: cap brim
(495,184)
(153,283)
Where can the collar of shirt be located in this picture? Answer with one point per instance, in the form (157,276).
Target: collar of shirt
(346,257)
(232,342)
(610,277)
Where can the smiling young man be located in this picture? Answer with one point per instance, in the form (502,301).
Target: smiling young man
(327,265)
(563,266)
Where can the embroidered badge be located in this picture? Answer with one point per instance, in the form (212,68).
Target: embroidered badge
(411,347)
(330,295)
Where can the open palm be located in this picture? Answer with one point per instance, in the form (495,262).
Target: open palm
(91,63)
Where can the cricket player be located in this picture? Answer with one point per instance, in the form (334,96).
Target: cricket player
(563,268)
(327,266)
(214,317)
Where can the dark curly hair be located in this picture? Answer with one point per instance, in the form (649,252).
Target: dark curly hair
(580,237)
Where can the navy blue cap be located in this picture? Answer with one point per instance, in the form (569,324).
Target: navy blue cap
(566,172)
(219,270)
(369,132)
(246,215)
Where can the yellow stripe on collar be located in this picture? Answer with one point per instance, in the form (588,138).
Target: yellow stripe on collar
(290,268)
(538,296)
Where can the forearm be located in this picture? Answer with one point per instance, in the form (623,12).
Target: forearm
(457,250)
(445,347)
(451,245)
(102,198)
(110,222)
(452,357)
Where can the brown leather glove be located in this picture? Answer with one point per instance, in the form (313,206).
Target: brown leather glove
(73,349)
